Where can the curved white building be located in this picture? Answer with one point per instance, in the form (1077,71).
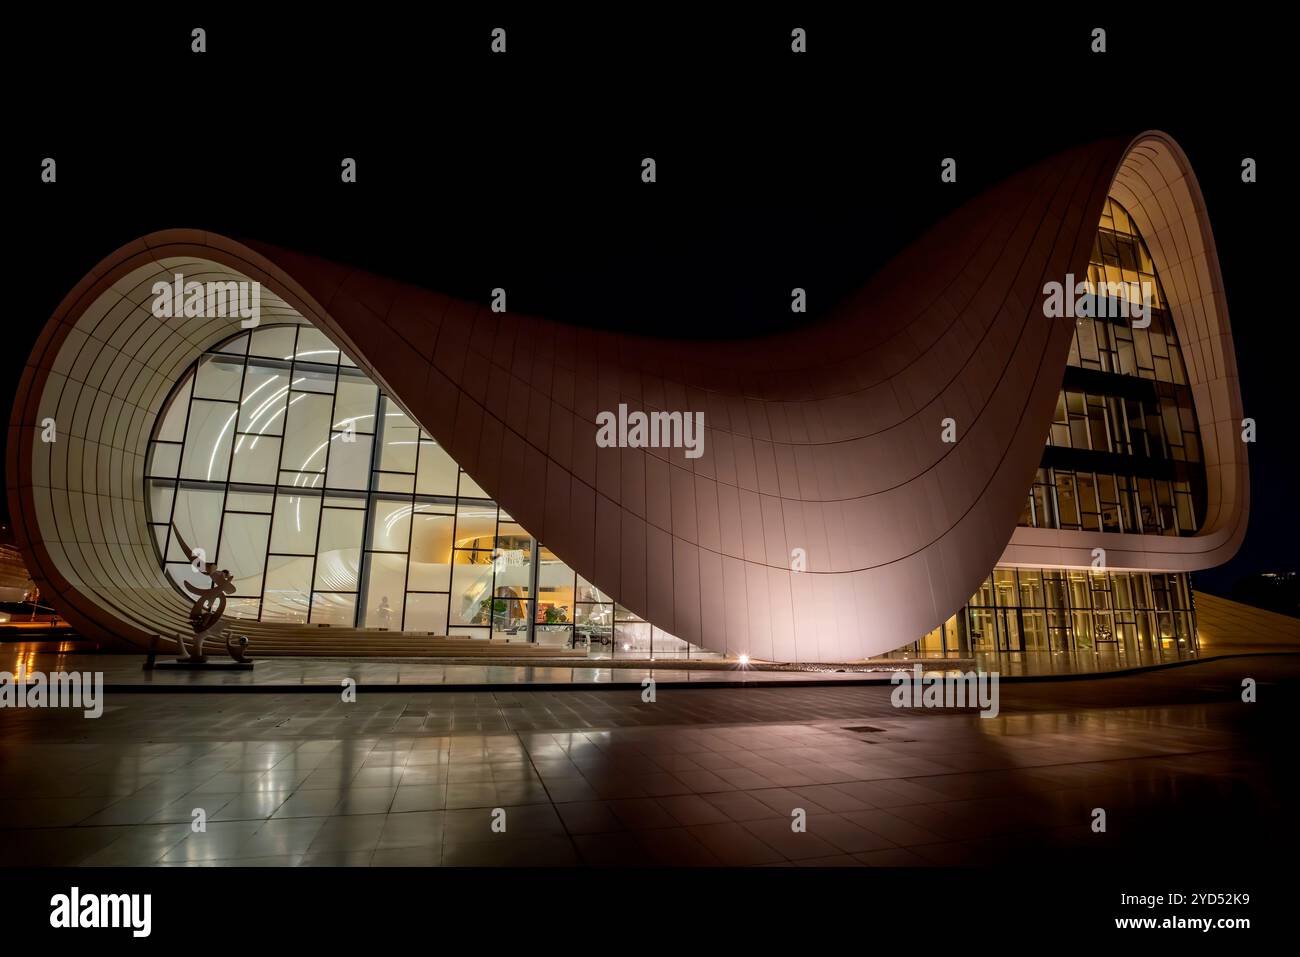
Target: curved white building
(377,455)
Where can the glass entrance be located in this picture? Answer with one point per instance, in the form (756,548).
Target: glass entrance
(1010,633)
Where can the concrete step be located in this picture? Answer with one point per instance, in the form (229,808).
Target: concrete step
(274,640)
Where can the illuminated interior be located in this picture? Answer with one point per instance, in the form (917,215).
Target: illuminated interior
(288,467)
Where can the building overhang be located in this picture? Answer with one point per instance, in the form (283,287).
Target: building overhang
(828,519)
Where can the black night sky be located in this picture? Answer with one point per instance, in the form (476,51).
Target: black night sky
(522,171)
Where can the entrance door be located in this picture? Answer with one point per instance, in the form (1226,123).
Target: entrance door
(1011,636)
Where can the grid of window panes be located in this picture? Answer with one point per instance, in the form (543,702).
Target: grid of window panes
(1120,255)
(1158,428)
(1163,429)
(329,505)
(1138,615)
(1106,502)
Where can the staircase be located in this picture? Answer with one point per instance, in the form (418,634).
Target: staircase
(268,639)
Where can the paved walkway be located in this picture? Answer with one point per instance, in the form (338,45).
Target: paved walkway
(126,672)
(699,777)
(1228,628)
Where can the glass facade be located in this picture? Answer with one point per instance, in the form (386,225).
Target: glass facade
(281,460)
(1123,452)
(1138,615)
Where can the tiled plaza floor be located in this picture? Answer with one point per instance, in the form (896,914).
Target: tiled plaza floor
(122,669)
(126,670)
(700,777)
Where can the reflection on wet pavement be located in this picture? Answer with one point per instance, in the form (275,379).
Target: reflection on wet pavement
(700,776)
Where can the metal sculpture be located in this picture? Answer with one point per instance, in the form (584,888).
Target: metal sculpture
(209,606)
